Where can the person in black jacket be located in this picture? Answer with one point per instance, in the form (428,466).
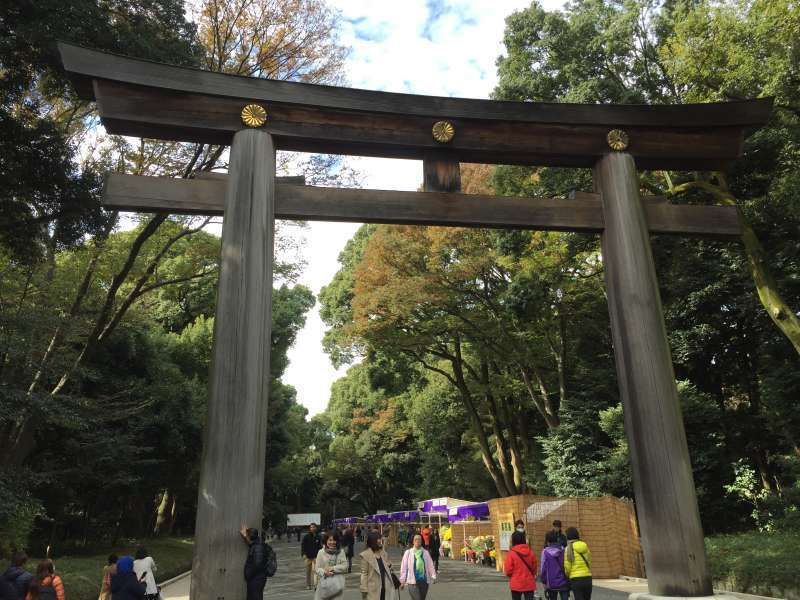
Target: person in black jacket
(254,574)
(7,591)
(124,584)
(435,549)
(348,543)
(309,548)
(560,538)
(17,576)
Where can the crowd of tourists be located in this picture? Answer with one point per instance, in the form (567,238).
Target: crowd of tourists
(329,557)
(563,566)
(124,578)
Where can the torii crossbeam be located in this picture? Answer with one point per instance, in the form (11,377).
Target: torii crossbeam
(257,117)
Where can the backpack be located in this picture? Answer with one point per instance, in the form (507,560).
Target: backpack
(270,561)
(47,592)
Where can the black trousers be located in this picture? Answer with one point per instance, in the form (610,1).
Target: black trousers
(522,595)
(582,588)
(556,594)
(255,587)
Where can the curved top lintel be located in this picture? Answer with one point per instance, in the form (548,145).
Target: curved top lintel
(85,65)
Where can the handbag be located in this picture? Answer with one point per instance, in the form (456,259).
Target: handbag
(330,587)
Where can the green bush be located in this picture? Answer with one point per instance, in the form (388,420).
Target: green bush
(756,563)
(83,575)
(18,512)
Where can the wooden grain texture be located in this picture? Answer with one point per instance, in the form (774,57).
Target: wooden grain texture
(584,214)
(440,174)
(231,488)
(146,99)
(84,64)
(197,117)
(666,503)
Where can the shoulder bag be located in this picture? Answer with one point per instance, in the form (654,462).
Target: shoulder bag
(524,562)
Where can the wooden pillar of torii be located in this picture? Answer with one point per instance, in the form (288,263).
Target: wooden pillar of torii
(257,117)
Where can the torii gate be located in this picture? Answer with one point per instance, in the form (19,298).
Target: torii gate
(257,117)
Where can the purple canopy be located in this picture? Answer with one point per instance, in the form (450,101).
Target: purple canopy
(404,516)
(479,510)
(379,518)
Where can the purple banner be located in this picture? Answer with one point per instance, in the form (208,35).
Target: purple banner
(434,505)
(479,510)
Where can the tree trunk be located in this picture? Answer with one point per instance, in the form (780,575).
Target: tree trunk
(162,512)
(477,425)
(542,400)
(83,288)
(501,446)
(513,446)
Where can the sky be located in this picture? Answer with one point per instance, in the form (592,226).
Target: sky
(433,47)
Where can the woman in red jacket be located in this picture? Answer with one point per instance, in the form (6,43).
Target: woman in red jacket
(520,566)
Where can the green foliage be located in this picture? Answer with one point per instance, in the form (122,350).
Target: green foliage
(18,511)
(572,453)
(46,199)
(368,454)
(130,430)
(336,298)
(755,563)
(740,373)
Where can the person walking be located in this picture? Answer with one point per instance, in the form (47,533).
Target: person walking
(416,570)
(376,571)
(556,530)
(17,576)
(552,573)
(520,568)
(109,570)
(309,548)
(435,549)
(331,567)
(145,568)
(349,542)
(578,565)
(124,583)
(426,537)
(46,585)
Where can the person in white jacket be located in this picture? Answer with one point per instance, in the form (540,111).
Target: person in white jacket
(145,568)
(331,569)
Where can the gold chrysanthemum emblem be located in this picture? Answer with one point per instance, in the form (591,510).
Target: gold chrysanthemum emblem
(443,131)
(617,139)
(254,115)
